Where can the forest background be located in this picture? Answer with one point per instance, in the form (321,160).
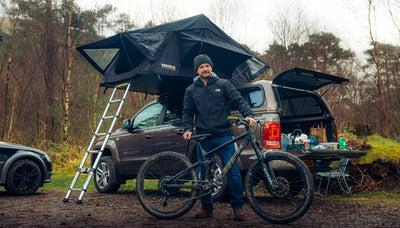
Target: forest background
(50,96)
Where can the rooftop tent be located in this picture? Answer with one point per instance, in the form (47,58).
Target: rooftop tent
(159,59)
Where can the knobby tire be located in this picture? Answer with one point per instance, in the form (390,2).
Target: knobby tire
(157,198)
(294,194)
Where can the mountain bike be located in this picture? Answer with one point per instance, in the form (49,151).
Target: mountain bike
(278,185)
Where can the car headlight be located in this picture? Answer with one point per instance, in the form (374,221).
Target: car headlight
(47,157)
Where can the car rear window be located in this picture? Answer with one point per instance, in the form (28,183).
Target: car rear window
(253,95)
(300,106)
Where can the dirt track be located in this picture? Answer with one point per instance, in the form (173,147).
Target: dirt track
(46,209)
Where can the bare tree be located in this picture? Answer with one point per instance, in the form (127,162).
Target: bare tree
(378,74)
(394,6)
(7,114)
(123,23)
(68,79)
(163,11)
(289,25)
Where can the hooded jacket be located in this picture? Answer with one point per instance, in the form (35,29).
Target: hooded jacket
(210,105)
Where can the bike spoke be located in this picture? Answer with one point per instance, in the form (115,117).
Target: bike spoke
(290,195)
(161,195)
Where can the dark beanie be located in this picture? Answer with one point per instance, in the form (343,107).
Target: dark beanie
(200,59)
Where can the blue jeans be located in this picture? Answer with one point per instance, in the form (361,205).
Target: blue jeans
(234,179)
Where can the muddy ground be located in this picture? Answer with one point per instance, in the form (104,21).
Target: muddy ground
(46,209)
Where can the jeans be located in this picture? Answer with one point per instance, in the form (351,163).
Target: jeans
(234,179)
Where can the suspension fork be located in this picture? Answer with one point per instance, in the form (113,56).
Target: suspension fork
(266,167)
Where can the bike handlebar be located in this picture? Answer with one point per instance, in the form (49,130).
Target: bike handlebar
(242,121)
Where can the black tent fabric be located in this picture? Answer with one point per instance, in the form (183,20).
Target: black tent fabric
(159,59)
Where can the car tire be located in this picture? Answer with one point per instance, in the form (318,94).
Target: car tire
(23,178)
(106,177)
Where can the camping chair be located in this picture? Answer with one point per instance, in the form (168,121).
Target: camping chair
(339,173)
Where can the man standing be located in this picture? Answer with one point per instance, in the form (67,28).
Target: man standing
(208,100)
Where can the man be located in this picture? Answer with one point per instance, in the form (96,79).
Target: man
(208,100)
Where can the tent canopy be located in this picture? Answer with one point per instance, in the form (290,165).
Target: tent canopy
(159,59)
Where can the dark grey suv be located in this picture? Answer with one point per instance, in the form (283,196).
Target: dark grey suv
(287,103)
(23,169)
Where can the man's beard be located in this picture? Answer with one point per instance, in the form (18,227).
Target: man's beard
(205,75)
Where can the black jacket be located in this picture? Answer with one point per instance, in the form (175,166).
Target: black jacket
(210,105)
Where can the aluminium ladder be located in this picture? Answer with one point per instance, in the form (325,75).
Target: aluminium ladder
(90,150)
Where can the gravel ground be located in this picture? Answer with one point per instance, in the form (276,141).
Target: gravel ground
(46,209)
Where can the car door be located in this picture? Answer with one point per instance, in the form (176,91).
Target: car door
(170,130)
(136,146)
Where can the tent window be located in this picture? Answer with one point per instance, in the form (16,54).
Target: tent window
(102,57)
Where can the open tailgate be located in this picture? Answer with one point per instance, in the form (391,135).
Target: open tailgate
(306,79)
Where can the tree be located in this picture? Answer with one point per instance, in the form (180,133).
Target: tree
(123,23)
(388,56)
(66,99)
(289,25)
(7,133)
(395,17)
(322,52)
(225,15)
(378,73)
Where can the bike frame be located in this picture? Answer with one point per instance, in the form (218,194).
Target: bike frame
(248,137)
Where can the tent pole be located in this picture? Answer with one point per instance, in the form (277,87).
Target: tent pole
(125,51)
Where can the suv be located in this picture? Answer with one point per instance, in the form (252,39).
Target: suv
(23,169)
(287,103)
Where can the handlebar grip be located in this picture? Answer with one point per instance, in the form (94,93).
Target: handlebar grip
(232,118)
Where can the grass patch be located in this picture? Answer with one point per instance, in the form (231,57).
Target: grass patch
(388,195)
(62,179)
(383,150)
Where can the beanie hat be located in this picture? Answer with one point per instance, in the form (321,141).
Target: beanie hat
(200,59)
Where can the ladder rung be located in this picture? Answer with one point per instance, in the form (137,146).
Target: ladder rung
(93,151)
(77,189)
(122,85)
(109,117)
(116,100)
(86,170)
(101,134)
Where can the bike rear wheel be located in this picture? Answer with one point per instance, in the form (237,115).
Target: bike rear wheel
(159,197)
(293,192)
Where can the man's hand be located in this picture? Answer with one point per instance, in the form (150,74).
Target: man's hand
(187,135)
(252,122)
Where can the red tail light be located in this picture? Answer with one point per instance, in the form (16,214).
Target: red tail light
(272,136)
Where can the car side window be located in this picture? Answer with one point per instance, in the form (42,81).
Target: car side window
(253,95)
(171,117)
(148,117)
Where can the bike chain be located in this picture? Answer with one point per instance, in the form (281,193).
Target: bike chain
(201,183)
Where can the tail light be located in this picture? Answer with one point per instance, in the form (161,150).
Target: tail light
(272,135)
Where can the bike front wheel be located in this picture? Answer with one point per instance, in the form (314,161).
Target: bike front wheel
(159,194)
(289,197)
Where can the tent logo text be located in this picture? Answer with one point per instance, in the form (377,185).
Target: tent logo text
(168,67)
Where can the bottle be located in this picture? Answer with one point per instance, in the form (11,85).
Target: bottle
(307,145)
(342,143)
(314,140)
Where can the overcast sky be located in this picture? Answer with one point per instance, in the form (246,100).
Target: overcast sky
(347,19)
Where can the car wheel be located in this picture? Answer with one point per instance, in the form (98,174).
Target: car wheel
(23,178)
(106,177)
